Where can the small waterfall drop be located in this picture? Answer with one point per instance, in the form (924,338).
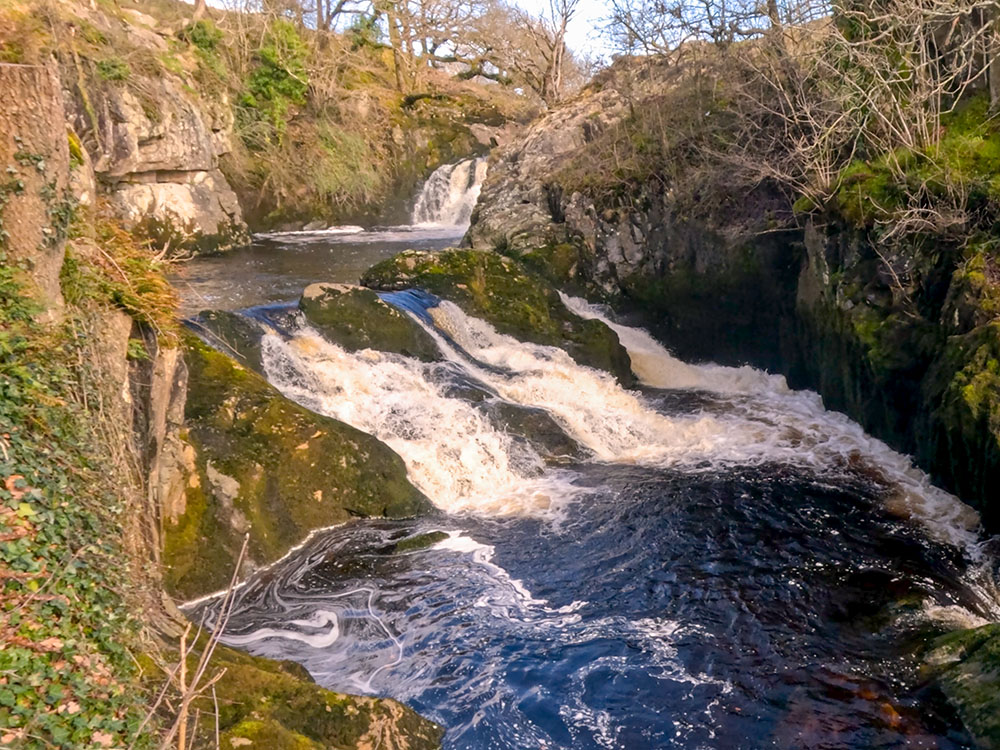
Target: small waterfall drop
(450,194)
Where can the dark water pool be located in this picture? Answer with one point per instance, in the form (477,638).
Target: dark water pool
(750,609)
(701,604)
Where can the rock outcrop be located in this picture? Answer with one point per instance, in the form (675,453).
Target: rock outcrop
(256,463)
(355,318)
(35,206)
(504,293)
(154,144)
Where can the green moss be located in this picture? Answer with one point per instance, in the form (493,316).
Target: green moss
(355,318)
(266,465)
(968,666)
(76,158)
(557,262)
(277,706)
(113,69)
(964,161)
(503,292)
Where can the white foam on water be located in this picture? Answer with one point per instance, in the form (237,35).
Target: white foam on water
(451,450)
(321,618)
(464,464)
(825,438)
(656,367)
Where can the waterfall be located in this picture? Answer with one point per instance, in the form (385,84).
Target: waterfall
(450,194)
(464,463)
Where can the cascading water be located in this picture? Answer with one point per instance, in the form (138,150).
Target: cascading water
(723,565)
(450,194)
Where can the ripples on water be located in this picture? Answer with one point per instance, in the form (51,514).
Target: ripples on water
(723,564)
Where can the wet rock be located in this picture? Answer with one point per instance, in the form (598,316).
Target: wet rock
(270,467)
(536,426)
(966,665)
(501,291)
(232,333)
(355,318)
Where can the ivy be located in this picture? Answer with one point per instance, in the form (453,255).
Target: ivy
(66,677)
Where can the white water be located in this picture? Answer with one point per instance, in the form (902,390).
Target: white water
(463,463)
(450,194)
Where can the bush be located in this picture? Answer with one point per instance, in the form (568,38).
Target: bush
(113,69)
(203,34)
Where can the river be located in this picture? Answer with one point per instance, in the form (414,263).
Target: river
(709,560)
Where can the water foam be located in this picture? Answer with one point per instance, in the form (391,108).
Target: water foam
(463,463)
(825,438)
(451,450)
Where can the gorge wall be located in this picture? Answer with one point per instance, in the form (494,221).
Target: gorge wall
(903,340)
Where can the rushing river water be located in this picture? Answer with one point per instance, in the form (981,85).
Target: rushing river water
(710,560)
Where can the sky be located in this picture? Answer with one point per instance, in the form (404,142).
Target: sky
(584,36)
(585,31)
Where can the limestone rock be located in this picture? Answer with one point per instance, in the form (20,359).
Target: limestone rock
(155,149)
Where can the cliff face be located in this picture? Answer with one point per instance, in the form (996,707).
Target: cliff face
(904,340)
(34,188)
(153,142)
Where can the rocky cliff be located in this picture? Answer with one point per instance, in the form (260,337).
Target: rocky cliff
(904,340)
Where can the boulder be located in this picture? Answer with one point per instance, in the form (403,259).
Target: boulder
(267,467)
(513,300)
(356,318)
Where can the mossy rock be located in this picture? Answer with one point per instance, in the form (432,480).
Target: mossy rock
(263,465)
(271,705)
(356,318)
(968,672)
(504,293)
(232,333)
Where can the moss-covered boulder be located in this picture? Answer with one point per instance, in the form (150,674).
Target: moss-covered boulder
(230,332)
(270,705)
(259,464)
(356,318)
(967,667)
(513,300)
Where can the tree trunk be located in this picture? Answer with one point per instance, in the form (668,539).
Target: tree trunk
(200,9)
